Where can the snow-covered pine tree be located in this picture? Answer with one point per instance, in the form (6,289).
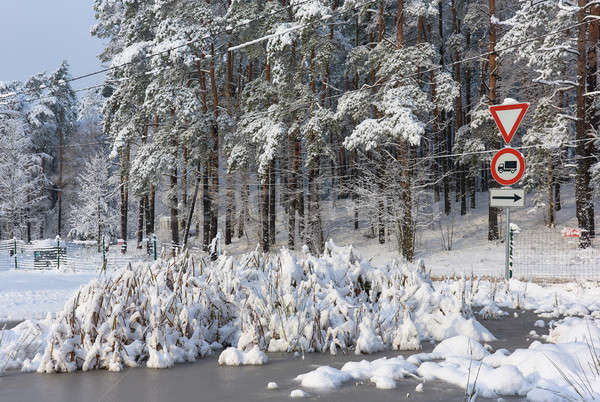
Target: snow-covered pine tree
(22,180)
(552,57)
(96,210)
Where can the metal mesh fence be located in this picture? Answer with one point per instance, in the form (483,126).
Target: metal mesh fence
(546,254)
(16,254)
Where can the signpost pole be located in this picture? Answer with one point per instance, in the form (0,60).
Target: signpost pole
(507,241)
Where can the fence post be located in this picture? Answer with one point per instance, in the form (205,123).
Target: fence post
(154,243)
(57,252)
(15,251)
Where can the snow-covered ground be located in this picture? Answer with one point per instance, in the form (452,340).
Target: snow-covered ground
(28,294)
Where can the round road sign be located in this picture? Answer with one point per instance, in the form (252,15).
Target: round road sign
(508,166)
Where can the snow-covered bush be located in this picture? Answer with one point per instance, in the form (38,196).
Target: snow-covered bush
(181,309)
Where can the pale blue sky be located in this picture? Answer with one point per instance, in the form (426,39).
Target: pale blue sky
(36,35)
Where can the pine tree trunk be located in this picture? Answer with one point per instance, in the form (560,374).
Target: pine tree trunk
(355,198)
(124,194)
(206,206)
(229,190)
(244,194)
(184,188)
(148,217)
(315,231)
(60,181)
(151,201)
(214,155)
(436,135)
(446,169)
(192,207)
(582,178)
(557,205)
(592,85)
(272,203)
(174,211)
(550,193)
(99,233)
(264,203)
(140,230)
(471,173)
(293,191)
(493,233)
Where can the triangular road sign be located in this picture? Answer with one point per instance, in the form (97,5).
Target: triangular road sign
(508,117)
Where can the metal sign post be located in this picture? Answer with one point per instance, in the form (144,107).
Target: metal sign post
(507,270)
(508,166)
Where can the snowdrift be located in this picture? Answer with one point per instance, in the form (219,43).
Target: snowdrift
(182,309)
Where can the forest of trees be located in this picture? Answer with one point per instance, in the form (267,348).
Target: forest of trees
(245,116)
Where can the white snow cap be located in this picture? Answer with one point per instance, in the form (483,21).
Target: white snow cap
(298,393)
(509,101)
(236,357)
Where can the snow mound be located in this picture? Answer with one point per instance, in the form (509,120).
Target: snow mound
(324,377)
(235,357)
(393,368)
(573,329)
(298,393)
(460,346)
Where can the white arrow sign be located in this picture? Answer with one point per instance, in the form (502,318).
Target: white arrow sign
(507,197)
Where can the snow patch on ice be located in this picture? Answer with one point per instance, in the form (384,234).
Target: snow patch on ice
(235,357)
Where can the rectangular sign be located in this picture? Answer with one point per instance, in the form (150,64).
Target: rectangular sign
(507,197)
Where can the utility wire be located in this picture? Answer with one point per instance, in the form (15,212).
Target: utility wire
(432,69)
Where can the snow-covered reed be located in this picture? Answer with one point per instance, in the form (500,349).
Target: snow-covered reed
(182,309)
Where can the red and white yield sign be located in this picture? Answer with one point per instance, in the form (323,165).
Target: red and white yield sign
(508,166)
(508,116)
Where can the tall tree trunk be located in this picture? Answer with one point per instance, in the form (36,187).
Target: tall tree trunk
(172,196)
(435,138)
(244,194)
(468,106)
(557,206)
(264,204)
(592,85)
(293,191)
(193,206)
(582,178)
(550,193)
(493,233)
(206,206)
(148,218)
(184,188)
(124,194)
(458,113)
(60,181)
(140,230)
(152,203)
(174,211)
(214,155)
(229,190)
(272,203)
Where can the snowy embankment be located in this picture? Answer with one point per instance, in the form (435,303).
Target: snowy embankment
(178,311)
(565,368)
(542,372)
